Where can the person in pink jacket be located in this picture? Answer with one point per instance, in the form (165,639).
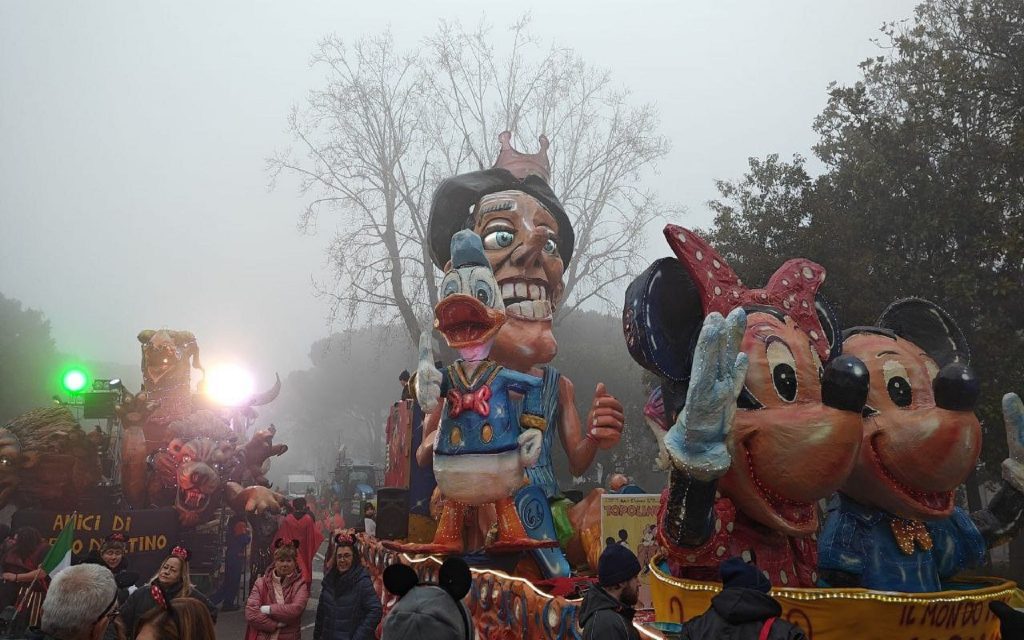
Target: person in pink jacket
(275,605)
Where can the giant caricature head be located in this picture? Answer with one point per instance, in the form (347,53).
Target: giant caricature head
(797,428)
(527,238)
(921,438)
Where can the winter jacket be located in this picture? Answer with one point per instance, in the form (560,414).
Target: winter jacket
(349,608)
(289,611)
(604,617)
(740,614)
(142,601)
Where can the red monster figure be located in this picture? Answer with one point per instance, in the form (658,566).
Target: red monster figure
(761,430)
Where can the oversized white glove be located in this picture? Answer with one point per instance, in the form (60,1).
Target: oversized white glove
(696,443)
(428,377)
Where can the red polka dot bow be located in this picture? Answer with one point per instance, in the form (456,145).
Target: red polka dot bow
(791,289)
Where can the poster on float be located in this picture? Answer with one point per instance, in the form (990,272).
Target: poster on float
(632,520)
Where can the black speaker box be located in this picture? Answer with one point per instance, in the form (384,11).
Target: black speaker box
(392,513)
(99,404)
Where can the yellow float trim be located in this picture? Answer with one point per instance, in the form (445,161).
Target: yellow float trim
(995,590)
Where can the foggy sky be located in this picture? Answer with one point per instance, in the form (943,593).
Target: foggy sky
(133,138)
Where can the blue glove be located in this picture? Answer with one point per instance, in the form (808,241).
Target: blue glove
(696,443)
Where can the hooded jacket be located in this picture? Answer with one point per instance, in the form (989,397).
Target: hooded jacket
(349,608)
(301,526)
(605,617)
(289,611)
(739,614)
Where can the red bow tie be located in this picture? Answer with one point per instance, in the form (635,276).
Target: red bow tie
(470,401)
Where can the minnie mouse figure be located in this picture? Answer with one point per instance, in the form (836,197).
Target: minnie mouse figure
(760,410)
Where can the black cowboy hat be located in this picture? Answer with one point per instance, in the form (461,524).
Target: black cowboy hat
(455,198)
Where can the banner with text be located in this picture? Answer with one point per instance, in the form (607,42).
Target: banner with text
(150,533)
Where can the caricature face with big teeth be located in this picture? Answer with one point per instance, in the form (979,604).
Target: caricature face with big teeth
(520,241)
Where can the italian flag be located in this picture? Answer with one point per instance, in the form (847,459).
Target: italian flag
(58,557)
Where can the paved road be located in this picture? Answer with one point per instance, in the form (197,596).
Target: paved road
(231,626)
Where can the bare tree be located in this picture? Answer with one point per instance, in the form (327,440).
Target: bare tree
(389,126)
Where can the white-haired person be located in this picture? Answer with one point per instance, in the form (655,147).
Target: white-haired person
(80,604)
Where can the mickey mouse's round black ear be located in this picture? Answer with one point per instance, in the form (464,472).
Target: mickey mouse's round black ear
(455,578)
(399,579)
(928,326)
(830,324)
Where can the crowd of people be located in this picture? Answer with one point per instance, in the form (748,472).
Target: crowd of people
(103,599)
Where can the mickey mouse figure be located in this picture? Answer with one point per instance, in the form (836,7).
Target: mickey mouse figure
(894,526)
(428,610)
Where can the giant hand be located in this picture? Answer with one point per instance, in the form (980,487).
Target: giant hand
(428,378)
(696,443)
(253,499)
(605,419)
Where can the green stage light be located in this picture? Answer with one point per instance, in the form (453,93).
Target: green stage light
(74,380)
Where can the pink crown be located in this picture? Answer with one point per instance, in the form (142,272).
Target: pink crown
(522,165)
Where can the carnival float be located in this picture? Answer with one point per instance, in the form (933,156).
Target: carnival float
(766,410)
(172,467)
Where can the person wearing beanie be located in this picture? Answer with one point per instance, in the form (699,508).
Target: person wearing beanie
(112,555)
(607,609)
(743,610)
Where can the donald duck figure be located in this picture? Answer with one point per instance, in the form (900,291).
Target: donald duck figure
(481,448)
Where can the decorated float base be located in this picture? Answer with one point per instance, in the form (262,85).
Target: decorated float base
(960,613)
(503,606)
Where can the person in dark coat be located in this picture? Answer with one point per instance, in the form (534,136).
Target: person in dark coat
(234,561)
(743,609)
(1011,621)
(23,581)
(349,608)
(607,610)
(112,555)
(173,578)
